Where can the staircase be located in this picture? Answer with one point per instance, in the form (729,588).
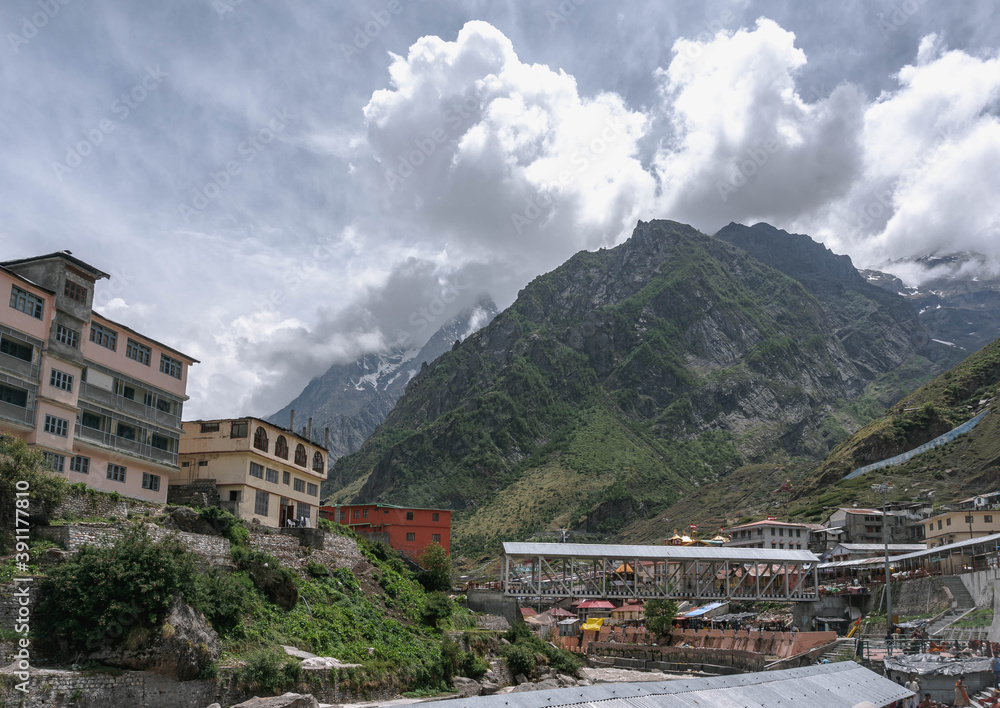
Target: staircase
(983,697)
(962,604)
(841,644)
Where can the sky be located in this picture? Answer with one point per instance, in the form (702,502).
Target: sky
(278,187)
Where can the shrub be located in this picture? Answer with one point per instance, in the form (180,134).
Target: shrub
(660,616)
(438,607)
(520,658)
(277,583)
(224,599)
(267,671)
(102,594)
(317,570)
(21,470)
(437,568)
(473,666)
(230,526)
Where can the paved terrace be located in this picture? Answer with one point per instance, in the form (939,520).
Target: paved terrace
(597,571)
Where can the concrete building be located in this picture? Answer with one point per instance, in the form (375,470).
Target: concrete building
(770,533)
(954,526)
(262,472)
(857,551)
(101,401)
(408,530)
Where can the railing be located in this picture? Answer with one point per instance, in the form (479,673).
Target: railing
(117,402)
(17,413)
(127,446)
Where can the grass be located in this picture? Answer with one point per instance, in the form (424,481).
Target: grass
(979,617)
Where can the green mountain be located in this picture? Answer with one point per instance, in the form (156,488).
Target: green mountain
(622,382)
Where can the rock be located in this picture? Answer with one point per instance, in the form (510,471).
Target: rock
(215,705)
(466,687)
(490,675)
(489,688)
(503,642)
(325,662)
(543,685)
(183,518)
(53,556)
(183,646)
(520,678)
(287,700)
(565,680)
(297,653)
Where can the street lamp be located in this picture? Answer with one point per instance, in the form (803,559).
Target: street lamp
(884,489)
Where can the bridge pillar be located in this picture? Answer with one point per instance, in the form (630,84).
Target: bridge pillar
(803,613)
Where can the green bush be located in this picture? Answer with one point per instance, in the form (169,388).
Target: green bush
(102,594)
(268,671)
(230,526)
(21,470)
(277,583)
(224,599)
(438,607)
(660,616)
(520,658)
(473,666)
(317,570)
(437,568)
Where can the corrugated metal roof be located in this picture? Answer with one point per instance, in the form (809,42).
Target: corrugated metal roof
(993,538)
(598,550)
(840,685)
(881,546)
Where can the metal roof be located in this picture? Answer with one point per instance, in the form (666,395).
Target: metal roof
(839,685)
(598,550)
(992,538)
(881,546)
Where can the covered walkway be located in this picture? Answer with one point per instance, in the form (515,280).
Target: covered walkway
(571,570)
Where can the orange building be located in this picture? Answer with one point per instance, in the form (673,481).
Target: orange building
(409,530)
(100,400)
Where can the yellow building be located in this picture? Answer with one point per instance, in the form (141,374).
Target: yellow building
(262,471)
(955,526)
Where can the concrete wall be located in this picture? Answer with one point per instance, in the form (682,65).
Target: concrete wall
(494,603)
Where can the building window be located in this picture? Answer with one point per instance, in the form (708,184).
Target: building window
(357,513)
(772,532)
(75,292)
(26,302)
(62,380)
(300,455)
(939,524)
(55,462)
(56,426)
(209,427)
(105,337)
(256,470)
(281,447)
(69,337)
(80,464)
(299,485)
(16,349)
(435,516)
(271,476)
(151,481)
(260,504)
(968,519)
(948,521)
(411,537)
(798,533)
(116,473)
(124,391)
(203,463)
(125,431)
(14,396)
(343,515)
(364,513)
(409,516)
(317,463)
(91,420)
(239,429)
(160,442)
(988,518)
(140,352)
(260,439)
(170,366)
(286,477)
(313,491)
(436,537)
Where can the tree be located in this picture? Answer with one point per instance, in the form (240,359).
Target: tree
(660,616)
(437,568)
(21,470)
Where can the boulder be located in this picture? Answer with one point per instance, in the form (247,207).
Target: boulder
(183,518)
(287,700)
(520,678)
(53,556)
(489,688)
(326,662)
(543,685)
(466,687)
(180,649)
(565,680)
(297,653)
(215,705)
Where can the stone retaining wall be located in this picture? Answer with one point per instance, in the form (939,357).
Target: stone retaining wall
(337,551)
(200,492)
(84,504)
(213,549)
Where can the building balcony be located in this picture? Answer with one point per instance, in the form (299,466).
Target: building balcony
(116,402)
(27,369)
(129,447)
(17,414)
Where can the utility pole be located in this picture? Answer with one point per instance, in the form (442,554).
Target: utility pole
(884,489)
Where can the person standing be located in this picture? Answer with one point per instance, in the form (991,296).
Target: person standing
(961,695)
(995,665)
(913,685)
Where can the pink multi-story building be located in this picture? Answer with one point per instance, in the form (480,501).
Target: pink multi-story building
(102,401)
